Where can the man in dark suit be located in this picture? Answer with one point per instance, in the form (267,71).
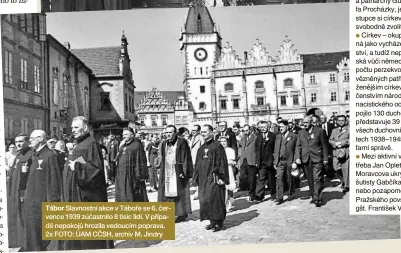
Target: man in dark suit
(328,128)
(112,150)
(231,138)
(251,144)
(267,174)
(284,162)
(312,151)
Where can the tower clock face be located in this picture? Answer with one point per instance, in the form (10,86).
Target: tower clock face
(200,54)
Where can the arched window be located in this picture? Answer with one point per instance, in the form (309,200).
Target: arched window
(259,85)
(201,70)
(229,87)
(288,82)
(195,71)
(202,106)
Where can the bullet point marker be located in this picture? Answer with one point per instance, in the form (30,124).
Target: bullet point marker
(357,35)
(357,157)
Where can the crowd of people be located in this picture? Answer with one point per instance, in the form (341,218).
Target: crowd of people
(266,160)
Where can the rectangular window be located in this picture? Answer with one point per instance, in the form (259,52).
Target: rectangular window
(236,103)
(8,67)
(347,95)
(178,120)
(15,19)
(126,101)
(29,23)
(164,120)
(260,101)
(202,89)
(154,120)
(295,99)
(223,104)
(35,26)
(55,90)
(24,126)
(65,94)
(36,75)
(283,100)
(142,119)
(332,77)
(346,76)
(24,74)
(312,79)
(105,101)
(37,124)
(333,96)
(184,119)
(313,97)
(23,22)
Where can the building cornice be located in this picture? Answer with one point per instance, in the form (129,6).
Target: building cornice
(258,70)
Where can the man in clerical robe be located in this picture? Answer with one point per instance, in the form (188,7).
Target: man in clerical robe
(16,186)
(211,175)
(43,185)
(176,170)
(131,170)
(84,178)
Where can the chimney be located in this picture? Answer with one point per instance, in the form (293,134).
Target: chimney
(245,56)
(67,45)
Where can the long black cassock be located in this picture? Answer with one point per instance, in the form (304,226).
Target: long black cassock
(86,183)
(211,161)
(43,185)
(183,165)
(16,186)
(131,167)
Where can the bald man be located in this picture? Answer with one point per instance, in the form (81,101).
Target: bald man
(43,185)
(84,178)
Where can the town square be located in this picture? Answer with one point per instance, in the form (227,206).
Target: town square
(239,116)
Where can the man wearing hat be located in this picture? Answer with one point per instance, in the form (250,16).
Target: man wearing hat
(284,162)
(339,140)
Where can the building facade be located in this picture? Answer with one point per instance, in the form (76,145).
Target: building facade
(326,79)
(25,95)
(221,86)
(69,81)
(112,100)
(157,109)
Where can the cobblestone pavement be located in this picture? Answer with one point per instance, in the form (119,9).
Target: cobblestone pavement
(295,221)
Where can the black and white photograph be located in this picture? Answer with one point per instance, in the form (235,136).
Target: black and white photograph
(240,116)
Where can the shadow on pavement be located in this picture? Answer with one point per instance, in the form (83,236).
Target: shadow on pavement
(194,216)
(329,196)
(136,244)
(239,218)
(241,204)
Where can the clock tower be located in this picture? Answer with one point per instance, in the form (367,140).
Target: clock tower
(200,44)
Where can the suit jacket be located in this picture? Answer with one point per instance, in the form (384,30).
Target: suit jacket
(343,137)
(231,141)
(250,149)
(312,146)
(267,150)
(329,129)
(112,150)
(290,144)
(194,145)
